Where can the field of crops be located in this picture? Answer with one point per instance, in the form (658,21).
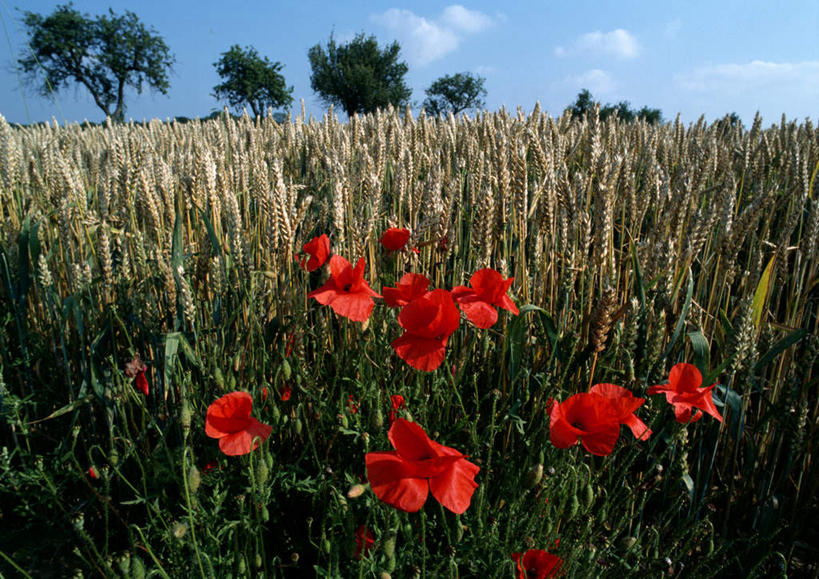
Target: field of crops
(149,272)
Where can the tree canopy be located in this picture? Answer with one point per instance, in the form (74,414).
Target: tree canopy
(359,76)
(104,54)
(455,93)
(585,103)
(251,79)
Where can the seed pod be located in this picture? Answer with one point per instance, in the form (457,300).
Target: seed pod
(232,381)
(297,426)
(275,414)
(389,546)
(237,361)
(287,371)
(219,377)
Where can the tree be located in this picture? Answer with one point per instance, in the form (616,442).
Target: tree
(104,54)
(251,79)
(359,76)
(583,105)
(455,93)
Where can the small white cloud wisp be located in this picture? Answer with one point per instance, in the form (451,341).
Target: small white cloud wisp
(618,43)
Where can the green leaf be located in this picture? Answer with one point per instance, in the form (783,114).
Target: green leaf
(780,347)
(701,350)
(65,409)
(761,293)
(731,399)
(214,241)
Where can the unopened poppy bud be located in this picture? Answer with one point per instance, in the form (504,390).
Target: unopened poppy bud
(185,416)
(326,546)
(628,542)
(232,382)
(574,507)
(588,498)
(377,420)
(124,564)
(297,426)
(384,575)
(356,491)
(137,568)
(237,361)
(179,530)
(113,458)
(342,420)
(389,546)
(258,561)
(219,377)
(275,414)
(261,473)
(287,371)
(194,479)
(265,514)
(241,564)
(533,477)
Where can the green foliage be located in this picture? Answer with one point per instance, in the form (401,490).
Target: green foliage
(251,79)
(359,76)
(585,103)
(105,54)
(455,93)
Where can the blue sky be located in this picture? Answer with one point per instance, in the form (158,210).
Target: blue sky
(693,57)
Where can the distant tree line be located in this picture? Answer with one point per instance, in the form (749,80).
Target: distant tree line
(108,53)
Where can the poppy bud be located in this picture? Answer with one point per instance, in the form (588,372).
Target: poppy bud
(588,498)
(258,561)
(219,377)
(377,420)
(286,370)
(137,568)
(384,575)
(275,414)
(241,564)
(179,530)
(297,426)
(194,479)
(574,507)
(265,514)
(533,477)
(232,382)
(342,420)
(326,546)
(113,458)
(124,563)
(185,417)
(237,361)
(261,474)
(389,546)
(356,491)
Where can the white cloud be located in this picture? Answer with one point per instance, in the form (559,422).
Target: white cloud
(619,43)
(425,40)
(460,18)
(781,77)
(597,81)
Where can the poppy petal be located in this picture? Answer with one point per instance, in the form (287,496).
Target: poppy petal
(410,440)
(326,293)
(390,479)
(685,377)
(142,383)
(638,427)
(425,354)
(246,440)
(454,487)
(356,307)
(228,414)
(601,442)
(479,313)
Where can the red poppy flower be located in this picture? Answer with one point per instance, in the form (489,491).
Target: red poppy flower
(397,403)
(537,564)
(364,541)
(264,394)
(286,393)
(229,420)
(411,286)
(395,238)
(428,322)
(209,466)
(346,291)
(351,404)
(625,403)
(92,472)
(488,290)
(684,392)
(136,369)
(404,477)
(318,249)
(588,417)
